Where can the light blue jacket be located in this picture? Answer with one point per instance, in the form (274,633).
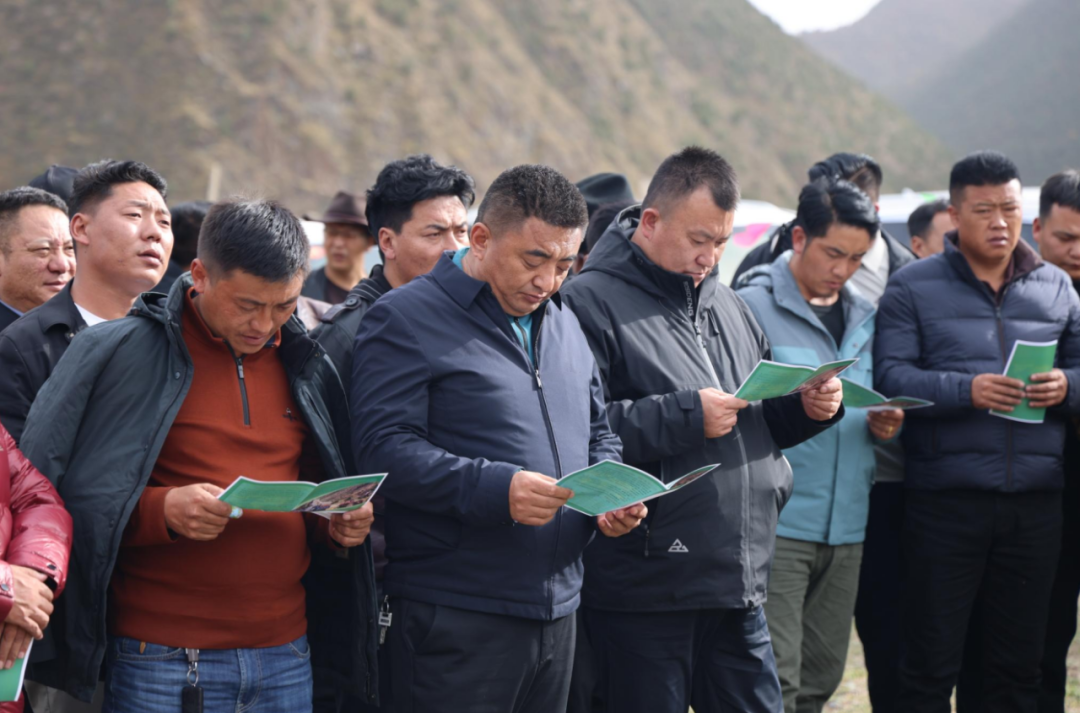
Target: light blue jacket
(835,469)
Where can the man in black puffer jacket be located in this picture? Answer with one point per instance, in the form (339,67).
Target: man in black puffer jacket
(983,500)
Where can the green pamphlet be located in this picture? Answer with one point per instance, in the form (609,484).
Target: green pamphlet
(1028,358)
(771,379)
(11,679)
(856,396)
(326,498)
(609,486)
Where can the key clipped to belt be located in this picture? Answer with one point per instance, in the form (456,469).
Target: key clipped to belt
(385,617)
(191,700)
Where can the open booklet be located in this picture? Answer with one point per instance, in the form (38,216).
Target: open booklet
(609,486)
(326,498)
(771,379)
(11,679)
(1027,359)
(856,396)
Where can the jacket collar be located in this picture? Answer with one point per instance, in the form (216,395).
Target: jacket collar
(60,311)
(373,286)
(788,296)
(1026,260)
(617,255)
(168,309)
(464,289)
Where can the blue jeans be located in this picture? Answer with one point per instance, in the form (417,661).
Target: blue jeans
(271,680)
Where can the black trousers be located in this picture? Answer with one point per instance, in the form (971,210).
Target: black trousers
(956,543)
(1060,621)
(878,602)
(458,661)
(715,660)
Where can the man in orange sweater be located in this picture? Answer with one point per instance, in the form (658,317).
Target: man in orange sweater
(214,381)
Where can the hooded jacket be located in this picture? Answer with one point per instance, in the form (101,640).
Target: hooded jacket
(834,470)
(938,327)
(658,341)
(447,401)
(95,430)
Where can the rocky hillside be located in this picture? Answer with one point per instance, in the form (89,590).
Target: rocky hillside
(296,98)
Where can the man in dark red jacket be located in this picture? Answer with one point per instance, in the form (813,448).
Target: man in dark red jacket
(35,540)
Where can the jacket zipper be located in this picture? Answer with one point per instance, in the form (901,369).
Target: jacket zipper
(243,385)
(1004,360)
(554,449)
(744,468)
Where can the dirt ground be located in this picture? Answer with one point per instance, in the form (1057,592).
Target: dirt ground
(851,697)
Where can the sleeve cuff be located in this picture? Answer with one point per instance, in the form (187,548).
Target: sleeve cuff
(147,526)
(491,502)
(693,415)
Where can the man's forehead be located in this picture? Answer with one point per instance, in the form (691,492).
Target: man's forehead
(447,210)
(551,240)
(1000,194)
(138,192)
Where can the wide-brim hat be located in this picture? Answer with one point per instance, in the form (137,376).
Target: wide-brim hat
(344,208)
(604,188)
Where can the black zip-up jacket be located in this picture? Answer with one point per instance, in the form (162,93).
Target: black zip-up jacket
(658,341)
(337,335)
(95,431)
(30,347)
(447,401)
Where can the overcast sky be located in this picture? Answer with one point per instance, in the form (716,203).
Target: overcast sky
(802,15)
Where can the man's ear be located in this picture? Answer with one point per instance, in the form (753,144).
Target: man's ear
(649,219)
(77,227)
(798,239)
(1036,230)
(386,243)
(200,275)
(480,240)
(954,215)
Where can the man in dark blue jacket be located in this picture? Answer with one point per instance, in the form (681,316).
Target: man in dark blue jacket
(983,507)
(475,388)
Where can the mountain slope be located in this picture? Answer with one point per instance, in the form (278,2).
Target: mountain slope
(297,98)
(901,43)
(1017,91)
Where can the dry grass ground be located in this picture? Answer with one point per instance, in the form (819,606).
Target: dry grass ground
(852,697)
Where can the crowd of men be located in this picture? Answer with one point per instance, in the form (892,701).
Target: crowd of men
(150,355)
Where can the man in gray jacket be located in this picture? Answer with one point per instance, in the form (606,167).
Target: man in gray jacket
(673,610)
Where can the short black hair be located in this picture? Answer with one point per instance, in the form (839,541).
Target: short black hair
(187,220)
(857,168)
(260,237)
(1061,189)
(95,182)
(532,191)
(918,223)
(982,168)
(683,173)
(403,183)
(600,221)
(830,201)
(13,201)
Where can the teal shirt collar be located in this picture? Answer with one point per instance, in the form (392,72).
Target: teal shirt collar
(520,326)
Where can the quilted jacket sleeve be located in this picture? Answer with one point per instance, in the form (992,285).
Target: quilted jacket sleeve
(41,531)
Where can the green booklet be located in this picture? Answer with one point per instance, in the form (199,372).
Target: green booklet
(609,486)
(1028,358)
(856,396)
(11,679)
(326,498)
(771,379)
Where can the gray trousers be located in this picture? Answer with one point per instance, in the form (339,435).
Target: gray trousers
(810,608)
